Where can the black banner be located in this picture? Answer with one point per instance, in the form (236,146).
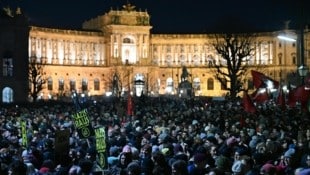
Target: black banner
(82,124)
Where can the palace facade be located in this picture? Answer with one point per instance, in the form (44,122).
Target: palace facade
(119,48)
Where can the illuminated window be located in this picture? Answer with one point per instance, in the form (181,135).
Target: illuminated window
(7,95)
(84,84)
(72,85)
(7,67)
(61,85)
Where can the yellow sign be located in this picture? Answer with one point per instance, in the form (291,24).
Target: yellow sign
(24,134)
(100,145)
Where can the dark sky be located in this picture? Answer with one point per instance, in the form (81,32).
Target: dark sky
(175,16)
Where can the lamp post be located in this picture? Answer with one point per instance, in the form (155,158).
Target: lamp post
(302,69)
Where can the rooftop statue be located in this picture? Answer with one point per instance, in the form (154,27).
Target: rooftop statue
(129,7)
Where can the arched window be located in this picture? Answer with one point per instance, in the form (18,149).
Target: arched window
(280,58)
(72,85)
(7,95)
(294,59)
(210,85)
(96,84)
(127,40)
(84,84)
(61,84)
(50,84)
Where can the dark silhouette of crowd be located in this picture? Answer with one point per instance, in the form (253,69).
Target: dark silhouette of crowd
(164,136)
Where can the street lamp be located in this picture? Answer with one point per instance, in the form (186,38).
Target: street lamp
(303,71)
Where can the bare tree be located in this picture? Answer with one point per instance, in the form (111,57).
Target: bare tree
(36,77)
(235,51)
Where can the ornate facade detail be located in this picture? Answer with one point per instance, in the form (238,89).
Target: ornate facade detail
(121,40)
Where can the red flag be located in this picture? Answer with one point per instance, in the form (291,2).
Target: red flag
(257,79)
(300,94)
(260,95)
(129,105)
(260,80)
(248,104)
(281,99)
(291,100)
(307,82)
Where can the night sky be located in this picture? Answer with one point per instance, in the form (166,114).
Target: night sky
(174,16)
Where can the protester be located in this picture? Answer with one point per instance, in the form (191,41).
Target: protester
(207,136)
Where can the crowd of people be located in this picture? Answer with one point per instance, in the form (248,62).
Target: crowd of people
(163,136)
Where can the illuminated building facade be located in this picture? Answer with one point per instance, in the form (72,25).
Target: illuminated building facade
(120,43)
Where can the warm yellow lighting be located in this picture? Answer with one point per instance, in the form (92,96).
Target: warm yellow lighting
(287,38)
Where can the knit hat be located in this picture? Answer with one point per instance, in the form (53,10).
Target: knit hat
(177,148)
(44,170)
(268,168)
(134,168)
(212,139)
(232,141)
(155,148)
(147,147)
(113,150)
(290,152)
(222,162)
(237,167)
(203,135)
(126,149)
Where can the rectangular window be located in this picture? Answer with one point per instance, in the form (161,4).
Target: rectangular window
(7,67)
(210,85)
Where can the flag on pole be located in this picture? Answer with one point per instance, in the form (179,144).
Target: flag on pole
(260,95)
(281,99)
(261,80)
(299,95)
(248,104)
(129,105)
